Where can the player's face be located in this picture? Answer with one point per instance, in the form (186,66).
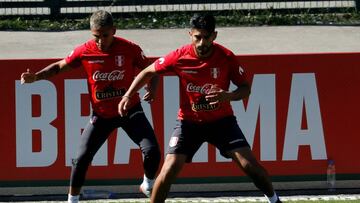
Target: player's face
(202,41)
(103,37)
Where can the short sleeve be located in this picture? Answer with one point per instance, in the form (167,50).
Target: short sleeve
(141,61)
(238,74)
(74,58)
(166,63)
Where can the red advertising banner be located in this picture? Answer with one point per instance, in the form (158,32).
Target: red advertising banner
(303,110)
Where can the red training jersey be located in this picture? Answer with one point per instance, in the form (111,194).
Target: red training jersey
(198,77)
(109,74)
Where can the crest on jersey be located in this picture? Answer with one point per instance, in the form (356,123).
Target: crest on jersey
(215,72)
(119,60)
(173,141)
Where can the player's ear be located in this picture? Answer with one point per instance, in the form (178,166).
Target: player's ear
(214,35)
(191,32)
(113,30)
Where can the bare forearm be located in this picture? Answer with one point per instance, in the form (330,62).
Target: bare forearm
(48,71)
(243,91)
(154,82)
(52,69)
(140,80)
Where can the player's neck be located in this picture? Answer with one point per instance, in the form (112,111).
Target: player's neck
(108,48)
(206,55)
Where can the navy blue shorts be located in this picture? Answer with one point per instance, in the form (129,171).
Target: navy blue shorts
(225,134)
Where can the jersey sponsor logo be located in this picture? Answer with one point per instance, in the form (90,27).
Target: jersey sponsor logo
(190,71)
(109,93)
(203,105)
(205,89)
(95,61)
(215,72)
(112,76)
(119,60)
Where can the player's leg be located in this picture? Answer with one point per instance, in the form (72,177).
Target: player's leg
(172,166)
(138,128)
(232,144)
(245,159)
(94,135)
(183,144)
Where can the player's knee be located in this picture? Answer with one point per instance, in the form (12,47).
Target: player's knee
(151,161)
(81,162)
(254,170)
(170,170)
(152,153)
(248,167)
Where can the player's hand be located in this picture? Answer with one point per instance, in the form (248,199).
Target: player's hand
(216,95)
(149,96)
(123,106)
(28,77)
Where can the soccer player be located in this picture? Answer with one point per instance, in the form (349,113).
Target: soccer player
(205,69)
(110,63)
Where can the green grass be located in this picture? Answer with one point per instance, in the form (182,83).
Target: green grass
(180,20)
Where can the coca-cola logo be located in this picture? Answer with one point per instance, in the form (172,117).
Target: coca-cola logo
(201,89)
(104,76)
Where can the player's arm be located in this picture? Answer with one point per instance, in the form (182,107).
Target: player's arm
(151,89)
(140,80)
(242,91)
(217,95)
(45,73)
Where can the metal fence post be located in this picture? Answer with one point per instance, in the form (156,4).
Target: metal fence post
(55,7)
(357,5)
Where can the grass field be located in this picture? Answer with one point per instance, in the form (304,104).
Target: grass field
(351,197)
(342,198)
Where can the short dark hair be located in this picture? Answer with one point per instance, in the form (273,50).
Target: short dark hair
(203,21)
(100,19)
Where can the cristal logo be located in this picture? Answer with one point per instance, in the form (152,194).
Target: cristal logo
(113,75)
(201,89)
